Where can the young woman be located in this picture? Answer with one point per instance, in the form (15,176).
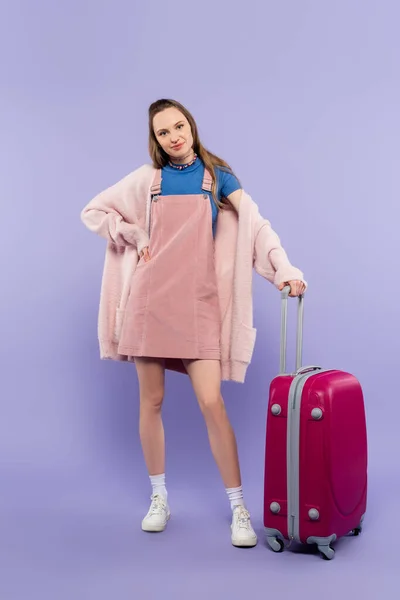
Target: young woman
(183,239)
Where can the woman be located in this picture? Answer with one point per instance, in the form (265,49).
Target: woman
(183,239)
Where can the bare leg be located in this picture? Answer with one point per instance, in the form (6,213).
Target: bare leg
(206,379)
(151,374)
(205,376)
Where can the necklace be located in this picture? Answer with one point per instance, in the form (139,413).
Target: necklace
(180,167)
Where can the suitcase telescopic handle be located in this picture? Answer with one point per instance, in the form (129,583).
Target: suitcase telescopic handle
(299,338)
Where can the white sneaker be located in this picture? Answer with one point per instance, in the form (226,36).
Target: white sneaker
(158,514)
(243,534)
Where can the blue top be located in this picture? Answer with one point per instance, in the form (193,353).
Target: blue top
(176,182)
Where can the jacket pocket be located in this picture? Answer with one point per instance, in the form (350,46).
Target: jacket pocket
(243,343)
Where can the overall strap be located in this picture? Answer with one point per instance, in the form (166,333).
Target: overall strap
(156,186)
(207,181)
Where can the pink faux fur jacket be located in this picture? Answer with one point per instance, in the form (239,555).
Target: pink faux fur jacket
(243,241)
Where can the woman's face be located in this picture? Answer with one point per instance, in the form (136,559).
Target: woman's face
(173,133)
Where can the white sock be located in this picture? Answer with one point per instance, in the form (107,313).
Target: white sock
(235,496)
(158,485)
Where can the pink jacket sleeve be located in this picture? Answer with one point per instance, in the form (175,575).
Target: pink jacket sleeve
(270,259)
(112,214)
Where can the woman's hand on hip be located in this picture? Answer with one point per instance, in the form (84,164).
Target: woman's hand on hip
(296,287)
(145,254)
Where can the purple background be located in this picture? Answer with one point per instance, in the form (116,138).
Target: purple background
(302,98)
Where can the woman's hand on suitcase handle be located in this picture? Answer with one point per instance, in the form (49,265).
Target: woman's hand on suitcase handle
(297,287)
(145,254)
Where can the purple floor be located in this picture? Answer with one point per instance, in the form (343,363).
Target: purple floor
(78,537)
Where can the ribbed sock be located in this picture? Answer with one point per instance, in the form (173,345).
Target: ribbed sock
(235,496)
(158,485)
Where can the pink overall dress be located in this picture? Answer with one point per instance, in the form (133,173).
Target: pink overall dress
(173,307)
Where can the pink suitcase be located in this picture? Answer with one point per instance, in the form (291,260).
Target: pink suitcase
(316,453)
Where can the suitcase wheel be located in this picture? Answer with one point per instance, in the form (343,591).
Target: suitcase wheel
(275,544)
(327,552)
(357,531)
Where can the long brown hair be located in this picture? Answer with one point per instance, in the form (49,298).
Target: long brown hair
(160,158)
